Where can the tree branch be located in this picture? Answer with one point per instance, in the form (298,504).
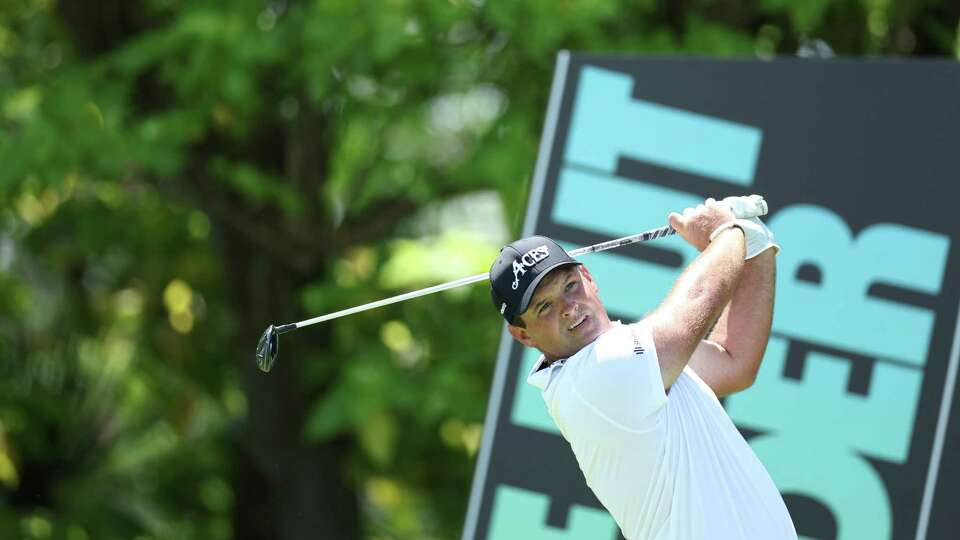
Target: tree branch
(382,218)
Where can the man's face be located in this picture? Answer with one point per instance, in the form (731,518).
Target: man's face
(564,315)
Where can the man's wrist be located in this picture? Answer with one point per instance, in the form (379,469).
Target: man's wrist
(726,227)
(758,237)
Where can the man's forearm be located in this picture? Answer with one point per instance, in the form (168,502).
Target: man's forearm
(744,326)
(699,294)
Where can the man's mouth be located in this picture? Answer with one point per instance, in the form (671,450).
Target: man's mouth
(578,323)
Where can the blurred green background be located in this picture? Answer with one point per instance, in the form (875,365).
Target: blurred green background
(175,176)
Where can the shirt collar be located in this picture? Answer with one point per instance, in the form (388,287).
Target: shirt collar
(539,376)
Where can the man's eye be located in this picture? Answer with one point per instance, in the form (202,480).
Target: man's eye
(544,308)
(571,285)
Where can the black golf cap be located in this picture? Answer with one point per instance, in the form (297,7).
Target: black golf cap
(518,270)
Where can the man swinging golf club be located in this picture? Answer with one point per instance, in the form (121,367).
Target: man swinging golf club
(638,403)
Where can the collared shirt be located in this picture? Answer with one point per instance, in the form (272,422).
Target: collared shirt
(666,467)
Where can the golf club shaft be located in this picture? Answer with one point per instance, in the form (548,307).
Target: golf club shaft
(385,302)
(755,207)
(652,234)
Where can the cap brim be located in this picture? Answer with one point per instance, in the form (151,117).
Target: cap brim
(532,288)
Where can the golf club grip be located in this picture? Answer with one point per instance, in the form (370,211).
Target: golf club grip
(652,234)
(744,207)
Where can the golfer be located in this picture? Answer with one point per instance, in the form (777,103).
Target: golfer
(638,403)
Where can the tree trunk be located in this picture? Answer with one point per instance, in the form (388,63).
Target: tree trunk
(286,488)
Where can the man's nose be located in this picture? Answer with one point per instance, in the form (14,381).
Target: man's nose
(569,308)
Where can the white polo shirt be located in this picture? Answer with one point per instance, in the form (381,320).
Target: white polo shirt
(665,467)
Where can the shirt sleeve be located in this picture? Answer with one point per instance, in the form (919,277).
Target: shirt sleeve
(621,382)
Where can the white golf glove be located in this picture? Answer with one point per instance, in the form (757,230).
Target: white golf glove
(758,236)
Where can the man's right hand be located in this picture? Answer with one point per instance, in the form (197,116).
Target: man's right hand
(696,224)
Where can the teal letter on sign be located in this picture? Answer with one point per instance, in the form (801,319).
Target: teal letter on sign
(837,311)
(521,514)
(529,410)
(816,433)
(609,123)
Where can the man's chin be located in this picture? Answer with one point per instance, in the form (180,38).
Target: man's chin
(583,339)
(589,331)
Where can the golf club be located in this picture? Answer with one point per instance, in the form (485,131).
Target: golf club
(268,347)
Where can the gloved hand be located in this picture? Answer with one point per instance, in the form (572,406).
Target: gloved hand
(759,237)
(746,206)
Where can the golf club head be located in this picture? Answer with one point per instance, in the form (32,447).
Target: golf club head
(267,349)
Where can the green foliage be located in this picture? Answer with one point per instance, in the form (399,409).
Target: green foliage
(176,175)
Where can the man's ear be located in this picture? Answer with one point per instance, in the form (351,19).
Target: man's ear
(520,334)
(588,278)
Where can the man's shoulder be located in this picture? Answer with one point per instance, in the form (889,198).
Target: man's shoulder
(621,339)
